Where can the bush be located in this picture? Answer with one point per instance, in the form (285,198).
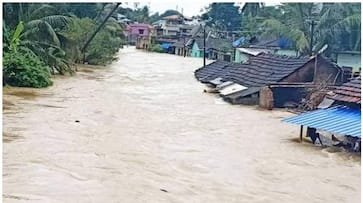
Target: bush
(156,48)
(25,69)
(102,48)
(77,32)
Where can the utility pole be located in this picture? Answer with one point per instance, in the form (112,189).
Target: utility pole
(184,51)
(204,46)
(97,30)
(312,24)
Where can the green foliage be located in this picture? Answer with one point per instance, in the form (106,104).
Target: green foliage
(21,67)
(337,24)
(82,10)
(40,38)
(103,48)
(140,15)
(169,13)
(77,33)
(156,48)
(223,16)
(24,69)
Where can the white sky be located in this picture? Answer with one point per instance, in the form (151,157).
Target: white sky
(189,7)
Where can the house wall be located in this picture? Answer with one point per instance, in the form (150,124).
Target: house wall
(248,100)
(240,57)
(325,72)
(350,60)
(279,96)
(282,95)
(196,51)
(266,99)
(143,42)
(134,29)
(180,51)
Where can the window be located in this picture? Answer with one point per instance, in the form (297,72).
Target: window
(141,32)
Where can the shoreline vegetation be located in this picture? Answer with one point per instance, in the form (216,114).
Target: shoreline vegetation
(41,40)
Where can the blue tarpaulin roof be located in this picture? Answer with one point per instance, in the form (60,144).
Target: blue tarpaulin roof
(339,119)
(238,42)
(165,45)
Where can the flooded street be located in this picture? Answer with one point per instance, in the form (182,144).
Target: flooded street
(142,130)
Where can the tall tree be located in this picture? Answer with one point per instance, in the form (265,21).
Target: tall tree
(223,16)
(169,13)
(336,24)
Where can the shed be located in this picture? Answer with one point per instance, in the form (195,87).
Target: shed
(343,117)
(337,119)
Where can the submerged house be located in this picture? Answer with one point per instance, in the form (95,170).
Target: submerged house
(216,48)
(183,47)
(139,34)
(266,69)
(244,48)
(340,117)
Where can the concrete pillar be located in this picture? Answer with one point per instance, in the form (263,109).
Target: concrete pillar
(266,98)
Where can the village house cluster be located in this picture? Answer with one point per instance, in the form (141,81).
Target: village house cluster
(184,36)
(326,94)
(180,35)
(268,72)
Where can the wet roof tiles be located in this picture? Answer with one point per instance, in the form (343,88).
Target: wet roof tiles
(260,70)
(348,92)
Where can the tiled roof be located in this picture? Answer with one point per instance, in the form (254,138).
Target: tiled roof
(348,92)
(211,71)
(260,70)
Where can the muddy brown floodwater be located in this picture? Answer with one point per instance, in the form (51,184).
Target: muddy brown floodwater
(146,132)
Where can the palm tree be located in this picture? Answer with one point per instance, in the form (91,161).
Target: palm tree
(252,9)
(341,23)
(41,34)
(337,24)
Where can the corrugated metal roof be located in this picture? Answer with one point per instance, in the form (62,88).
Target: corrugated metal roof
(338,119)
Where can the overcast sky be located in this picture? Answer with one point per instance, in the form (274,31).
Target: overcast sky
(189,7)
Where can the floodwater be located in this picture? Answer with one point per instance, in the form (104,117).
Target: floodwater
(142,130)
